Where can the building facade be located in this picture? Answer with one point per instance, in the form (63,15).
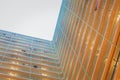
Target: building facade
(27,58)
(87,38)
(86,46)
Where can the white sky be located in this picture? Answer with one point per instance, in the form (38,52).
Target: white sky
(35,18)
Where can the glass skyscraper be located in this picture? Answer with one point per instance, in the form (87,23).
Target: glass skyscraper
(86,46)
(27,58)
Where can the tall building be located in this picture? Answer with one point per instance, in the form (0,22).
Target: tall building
(86,46)
(27,58)
(87,39)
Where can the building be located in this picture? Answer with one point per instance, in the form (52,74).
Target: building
(88,39)
(86,46)
(27,58)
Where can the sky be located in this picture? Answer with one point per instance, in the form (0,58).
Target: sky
(36,18)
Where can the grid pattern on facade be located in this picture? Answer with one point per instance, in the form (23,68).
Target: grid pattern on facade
(87,39)
(86,46)
(27,58)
